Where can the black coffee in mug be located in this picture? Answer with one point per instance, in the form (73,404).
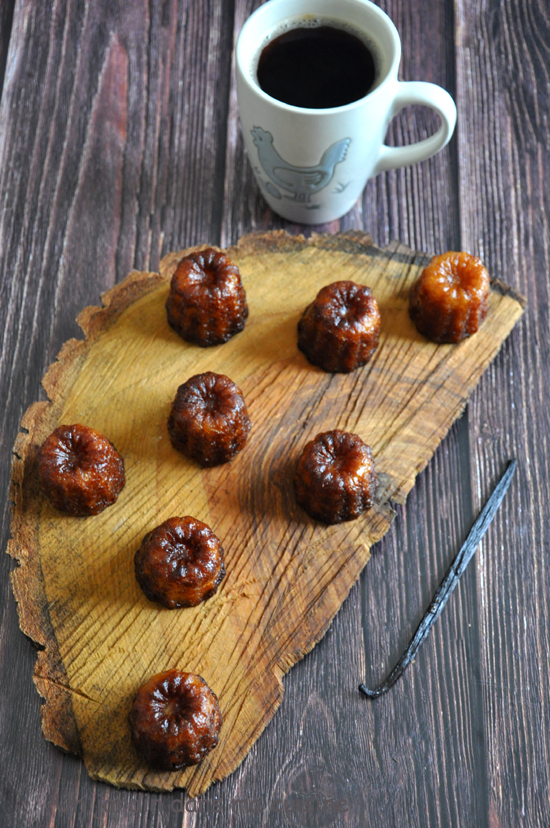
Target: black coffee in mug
(316,67)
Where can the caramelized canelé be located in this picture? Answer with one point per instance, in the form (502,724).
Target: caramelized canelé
(449,301)
(175,720)
(180,563)
(80,470)
(207,302)
(209,419)
(340,330)
(335,479)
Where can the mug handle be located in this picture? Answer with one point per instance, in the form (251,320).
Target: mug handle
(426,94)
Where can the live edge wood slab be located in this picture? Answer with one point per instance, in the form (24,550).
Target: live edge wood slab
(99,637)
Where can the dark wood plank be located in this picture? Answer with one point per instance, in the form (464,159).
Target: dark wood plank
(412,758)
(112,142)
(427,732)
(6,18)
(504,160)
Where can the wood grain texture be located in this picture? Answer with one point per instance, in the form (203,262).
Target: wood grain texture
(6,17)
(442,749)
(505,219)
(287,575)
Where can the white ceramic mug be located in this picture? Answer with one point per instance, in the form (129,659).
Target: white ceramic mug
(312,164)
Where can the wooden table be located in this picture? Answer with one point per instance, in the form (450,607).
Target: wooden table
(120,142)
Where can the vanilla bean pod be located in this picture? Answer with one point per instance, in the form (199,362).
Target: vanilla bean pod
(448,583)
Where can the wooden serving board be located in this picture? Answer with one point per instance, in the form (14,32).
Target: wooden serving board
(286,574)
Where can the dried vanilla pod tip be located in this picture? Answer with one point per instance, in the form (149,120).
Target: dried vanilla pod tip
(80,470)
(209,420)
(335,479)
(180,563)
(175,720)
(450,299)
(340,330)
(447,585)
(207,301)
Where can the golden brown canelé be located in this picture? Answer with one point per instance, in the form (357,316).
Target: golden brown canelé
(340,330)
(449,301)
(80,470)
(207,301)
(209,419)
(175,720)
(335,478)
(180,563)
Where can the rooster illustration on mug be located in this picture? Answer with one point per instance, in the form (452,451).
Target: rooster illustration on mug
(302,182)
